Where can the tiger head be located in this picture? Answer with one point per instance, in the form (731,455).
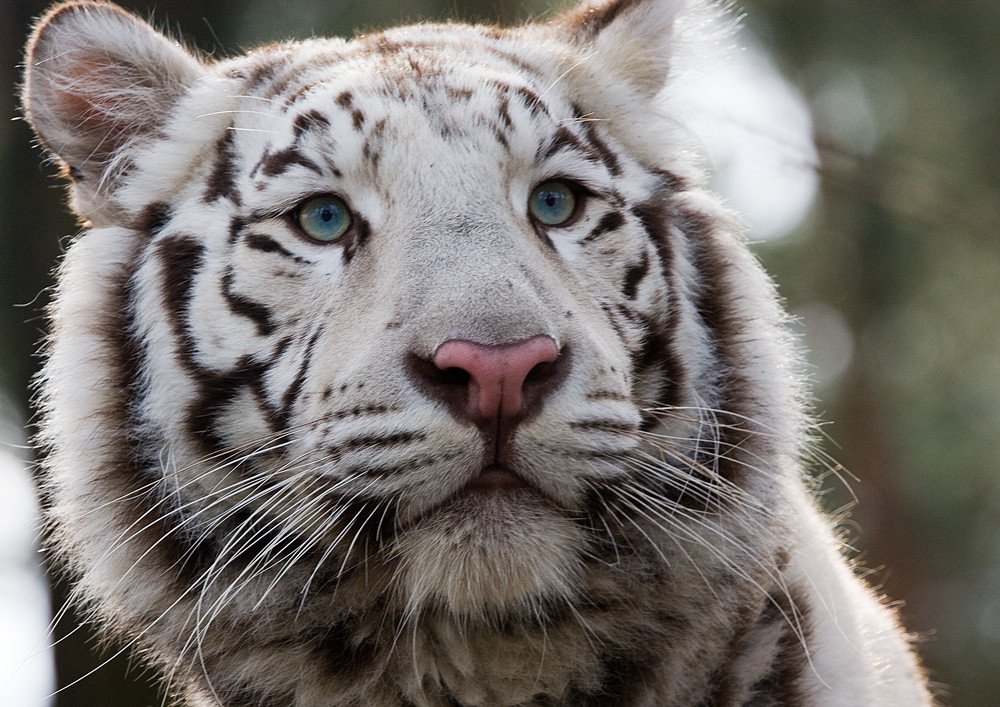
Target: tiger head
(438,320)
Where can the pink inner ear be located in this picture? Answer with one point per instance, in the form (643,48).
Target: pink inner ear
(87,104)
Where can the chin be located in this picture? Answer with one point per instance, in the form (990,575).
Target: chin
(492,555)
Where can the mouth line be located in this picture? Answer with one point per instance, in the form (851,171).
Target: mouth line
(494,479)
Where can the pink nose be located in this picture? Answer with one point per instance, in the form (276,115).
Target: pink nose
(497,374)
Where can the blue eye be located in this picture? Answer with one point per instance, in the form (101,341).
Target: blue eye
(552,203)
(324,218)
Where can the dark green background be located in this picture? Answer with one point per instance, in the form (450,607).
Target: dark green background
(903,243)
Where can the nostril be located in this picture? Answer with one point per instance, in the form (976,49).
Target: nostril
(453,376)
(449,385)
(541,371)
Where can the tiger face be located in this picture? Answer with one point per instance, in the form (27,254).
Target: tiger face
(399,306)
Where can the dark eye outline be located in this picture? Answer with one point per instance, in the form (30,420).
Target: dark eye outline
(579,198)
(296,216)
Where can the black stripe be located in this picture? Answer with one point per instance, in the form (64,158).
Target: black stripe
(714,304)
(503,110)
(310,120)
(273,165)
(609,314)
(156,517)
(281,82)
(532,101)
(290,397)
(381,44)
(611,221)
(128,354)
(525,68)
(607,395)
(153,219)
(658,347)
(459,94)
(361,233)
(373,441)
(563,139)
(676,376)
(656,216)
(236,226)
(369,149)
(216,393)
(358,410)
(500,135)
(607,425)
(181,258)
(657,359)
(634,275)
(402,466)
(222,180)
(607,155)
(670,181)
(266,244)
(303,91)
(239,304)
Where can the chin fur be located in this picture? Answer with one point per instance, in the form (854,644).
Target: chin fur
(489,555)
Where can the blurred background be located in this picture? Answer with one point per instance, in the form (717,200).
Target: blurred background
(861,139)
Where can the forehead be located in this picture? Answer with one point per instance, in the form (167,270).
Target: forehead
(423,83)
(423,59)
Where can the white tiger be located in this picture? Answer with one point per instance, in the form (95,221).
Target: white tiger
(419,369)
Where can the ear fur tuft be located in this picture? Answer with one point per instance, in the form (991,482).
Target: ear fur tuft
(630,40)
(98,79)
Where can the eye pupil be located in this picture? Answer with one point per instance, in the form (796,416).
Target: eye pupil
(552,203)
(324,218)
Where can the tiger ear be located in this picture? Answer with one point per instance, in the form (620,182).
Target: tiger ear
(627,42)
(619,58)
(98,79)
